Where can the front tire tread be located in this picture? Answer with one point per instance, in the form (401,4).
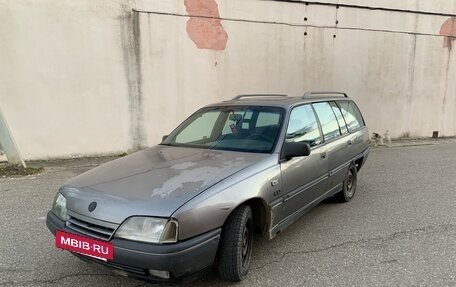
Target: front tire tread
(230,253)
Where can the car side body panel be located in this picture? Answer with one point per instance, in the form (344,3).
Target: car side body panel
(304,178)
(338,161)
(210,209)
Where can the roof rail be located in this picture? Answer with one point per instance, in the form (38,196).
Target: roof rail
(257,95)
(309,94)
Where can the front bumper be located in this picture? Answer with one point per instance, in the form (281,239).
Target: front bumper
(136,258)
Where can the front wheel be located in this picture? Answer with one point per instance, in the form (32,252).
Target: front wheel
(235,251)
(349,185)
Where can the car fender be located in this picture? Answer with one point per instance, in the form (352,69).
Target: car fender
(210,209)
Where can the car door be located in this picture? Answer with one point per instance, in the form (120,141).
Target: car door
(359,137)
(337,142)
(304,179)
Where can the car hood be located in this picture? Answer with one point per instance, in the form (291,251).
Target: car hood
(154,182)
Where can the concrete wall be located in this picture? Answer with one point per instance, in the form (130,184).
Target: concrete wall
(64,88)
(94,77)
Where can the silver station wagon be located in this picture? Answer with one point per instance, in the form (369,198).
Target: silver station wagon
(253,164)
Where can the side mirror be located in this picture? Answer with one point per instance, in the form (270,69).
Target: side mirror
(164,137)
(295,149)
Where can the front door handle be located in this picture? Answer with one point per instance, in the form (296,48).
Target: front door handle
(323,155)
(349,143)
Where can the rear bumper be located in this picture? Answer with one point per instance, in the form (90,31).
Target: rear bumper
(136,258)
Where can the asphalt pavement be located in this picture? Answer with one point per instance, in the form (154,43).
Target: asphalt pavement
(399,230)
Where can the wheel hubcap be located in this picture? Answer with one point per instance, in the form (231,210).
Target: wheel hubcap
(246,244)
(350,184)
(245,241)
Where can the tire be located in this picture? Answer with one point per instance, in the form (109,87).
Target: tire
(235,251)
(349,185)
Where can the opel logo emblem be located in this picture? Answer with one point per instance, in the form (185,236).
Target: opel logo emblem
(92,206)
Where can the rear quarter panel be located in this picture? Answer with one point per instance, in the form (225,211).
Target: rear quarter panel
(360,142)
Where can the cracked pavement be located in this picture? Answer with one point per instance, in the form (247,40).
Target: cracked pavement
(400,230)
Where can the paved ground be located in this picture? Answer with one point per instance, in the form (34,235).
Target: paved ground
(400,230)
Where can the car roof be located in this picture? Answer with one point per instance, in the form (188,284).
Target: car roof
(284,101)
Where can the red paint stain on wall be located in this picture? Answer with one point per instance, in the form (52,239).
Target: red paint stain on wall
(448,30)
(206,33)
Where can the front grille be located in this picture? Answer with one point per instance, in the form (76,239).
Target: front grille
(130,269)
(90,229)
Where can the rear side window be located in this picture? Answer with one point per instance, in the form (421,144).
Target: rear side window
(328,120)
(352,115)
(340,118)
(303,126)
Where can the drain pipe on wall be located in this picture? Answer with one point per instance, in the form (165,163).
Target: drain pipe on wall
(8,144)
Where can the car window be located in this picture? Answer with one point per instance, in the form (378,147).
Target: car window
(244,128)
(328,120)
(245,120)
(233,120)
(303,126)
(351,114)
(200,129)
(339,117)
(267,119)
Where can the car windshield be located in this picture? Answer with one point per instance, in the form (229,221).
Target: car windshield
(248,129)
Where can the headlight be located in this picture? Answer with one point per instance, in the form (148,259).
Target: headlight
(148,229)
(59,206)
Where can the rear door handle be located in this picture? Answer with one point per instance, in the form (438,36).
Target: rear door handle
(323,155)
(349,143)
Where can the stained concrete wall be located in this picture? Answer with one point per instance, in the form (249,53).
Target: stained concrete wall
(63,78)
(95,77)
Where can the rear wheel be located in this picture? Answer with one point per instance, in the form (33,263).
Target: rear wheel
(235,251)
(349,185)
